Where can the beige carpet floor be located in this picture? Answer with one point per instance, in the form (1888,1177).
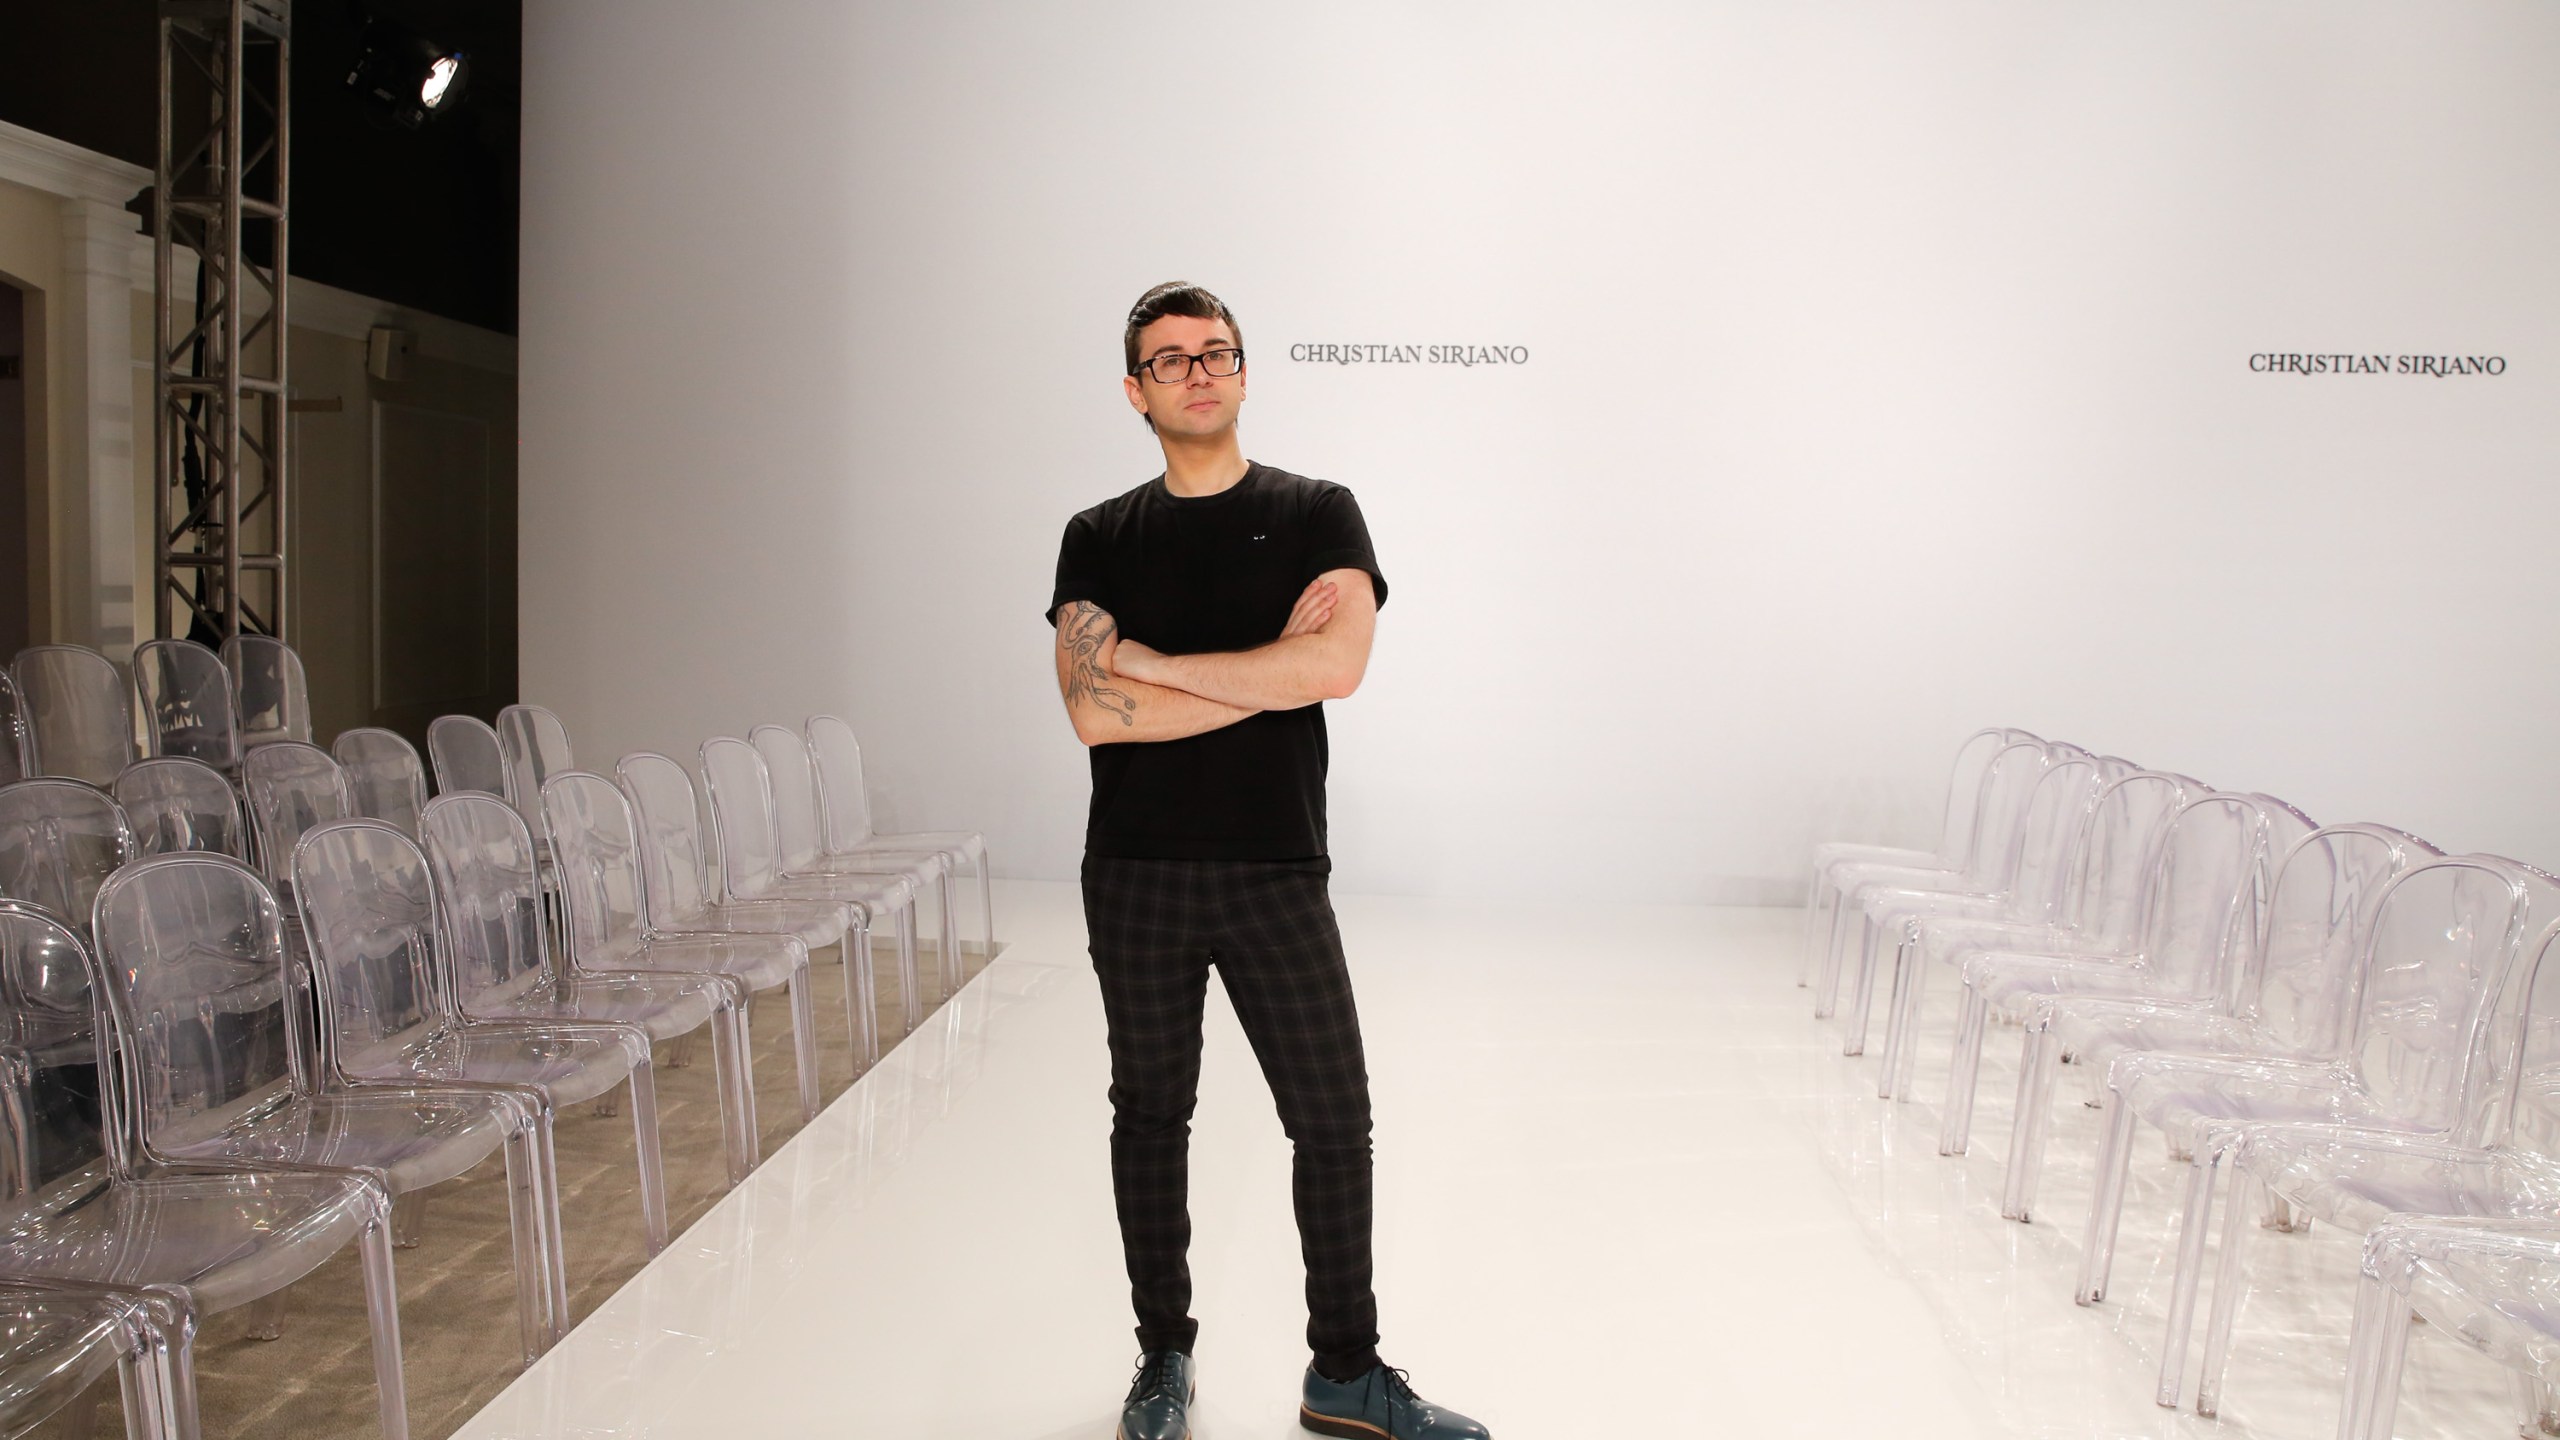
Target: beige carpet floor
(457,1287)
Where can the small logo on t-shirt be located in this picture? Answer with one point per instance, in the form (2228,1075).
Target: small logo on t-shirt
(1257,537)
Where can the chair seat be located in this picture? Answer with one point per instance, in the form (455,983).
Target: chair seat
(665,1005)
(572,1066)
(881,894)
(968,844)
(415,1140)
(52,1347)
(229,1238)
(919,868)
(760,961)
(817,923)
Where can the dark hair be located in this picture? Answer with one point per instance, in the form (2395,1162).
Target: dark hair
(1174,297)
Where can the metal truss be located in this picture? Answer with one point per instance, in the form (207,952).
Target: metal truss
(220,522)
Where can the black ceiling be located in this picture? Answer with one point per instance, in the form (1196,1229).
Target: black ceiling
(426,218)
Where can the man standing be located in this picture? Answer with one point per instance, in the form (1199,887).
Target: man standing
(1203,619)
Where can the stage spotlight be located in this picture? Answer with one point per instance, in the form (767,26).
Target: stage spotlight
(412,77)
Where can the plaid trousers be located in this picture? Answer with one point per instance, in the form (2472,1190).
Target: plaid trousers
(1156,927)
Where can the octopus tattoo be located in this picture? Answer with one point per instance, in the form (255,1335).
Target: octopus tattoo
(1088,630)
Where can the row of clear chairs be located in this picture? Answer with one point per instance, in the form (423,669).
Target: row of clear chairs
(2355,1027)
(67,710)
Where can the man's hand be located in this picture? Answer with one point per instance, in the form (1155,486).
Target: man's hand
(1319,654)
(1314,607)
(1131,660)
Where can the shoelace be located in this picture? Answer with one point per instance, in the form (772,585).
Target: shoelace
(1155,1375)
(1400,1391)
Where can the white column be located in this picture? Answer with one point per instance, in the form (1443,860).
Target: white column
(94,463)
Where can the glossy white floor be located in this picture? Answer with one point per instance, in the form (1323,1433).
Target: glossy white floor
(1626,1187)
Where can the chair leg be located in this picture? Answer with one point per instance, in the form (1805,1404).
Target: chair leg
(645,1149)
(382,1307)
(2039,1058)
(409,1219)
(2106,1205)
(987,898)
(861,1000)
(1854,1040)
(911,1000)
(955,965)
(2192,1232)
(733,1075)
(2390,1357)
(1964,1075)
(2230,1287)
(530,1245)
(171,1370)
(264,1316)
(1901,1014)
(804,1042)
(1826,981)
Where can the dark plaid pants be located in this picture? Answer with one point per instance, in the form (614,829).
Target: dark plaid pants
(1156,927)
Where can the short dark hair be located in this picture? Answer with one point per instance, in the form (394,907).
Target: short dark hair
(1173,297)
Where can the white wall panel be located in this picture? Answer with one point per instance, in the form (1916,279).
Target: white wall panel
(1889,375)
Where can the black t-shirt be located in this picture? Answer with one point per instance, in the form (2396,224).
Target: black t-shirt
(1198,575)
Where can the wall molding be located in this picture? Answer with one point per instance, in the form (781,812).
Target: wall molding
(57,167)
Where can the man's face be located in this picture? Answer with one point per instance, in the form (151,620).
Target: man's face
(1199,404)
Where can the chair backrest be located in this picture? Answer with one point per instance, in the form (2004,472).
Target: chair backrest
(2111,858)
(2444,940)
(175,804)
(465,752)
(79,712)
(2209,874)
(2300,987)
(17,758)
(389,783)
(675,863)
(792,780)
(535,747)
(59,841)
(1964,788)
(186,703)
(2009,791)
(292,787)
(844,804)
(488,900)
(596,849)
(369,913)
(268,692)
(2035,874)
(47,1024)
(189,973)
(741,817)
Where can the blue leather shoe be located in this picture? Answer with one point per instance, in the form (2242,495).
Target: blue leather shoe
(1380,1405)
(1159,1405)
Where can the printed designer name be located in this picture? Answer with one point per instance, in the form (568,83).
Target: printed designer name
(2445,366)
(1410,354)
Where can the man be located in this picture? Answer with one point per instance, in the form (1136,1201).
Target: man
(1203,619)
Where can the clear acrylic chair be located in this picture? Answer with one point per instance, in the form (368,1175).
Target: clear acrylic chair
(2008,793)
(844,799)
(391,1011)
(2199,897)
(17,750)
(389,783)
(187,706)
(268,693)
(169,1207)
(2289,995)
(744,837)
(176,804)
(48,1052)
(2491,1285)
(291,788)
(610,939)
(59,841)
(79,712)
(488,915)
(2443,940)
(534,746)
(465,753)
(2095,913)
(59,1338)
(799,827)
(1952,853)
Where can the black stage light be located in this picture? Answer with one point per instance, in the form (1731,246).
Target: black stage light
(412,77)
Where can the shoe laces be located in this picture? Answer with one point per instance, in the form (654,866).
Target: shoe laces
(1400,1390)
(1155,1374)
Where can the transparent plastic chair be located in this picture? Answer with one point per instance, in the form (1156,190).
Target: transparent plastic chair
(17,759)
(217,1232)
(2202,885)
(1886,910)
(799,827)
(2441,945)
(200,987)
(391,1011)
(486,879)
(465,753)
(2093,910)
(58,1338)
(186,703)
(844,805)
(175,804)
(79,712)
(743,835)
(2007,793)
(268,692)
(48,1038)
(1951,855)
(59,841)
(383,771)
(2492,1285)
(292,787)
(534,746)
(487,914)
(2289,996)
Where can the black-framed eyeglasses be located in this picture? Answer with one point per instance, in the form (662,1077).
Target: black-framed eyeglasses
(1175,368)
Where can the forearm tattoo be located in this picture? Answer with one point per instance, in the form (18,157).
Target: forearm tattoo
(1087,630)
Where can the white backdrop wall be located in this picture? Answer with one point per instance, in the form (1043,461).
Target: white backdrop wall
(1889,374)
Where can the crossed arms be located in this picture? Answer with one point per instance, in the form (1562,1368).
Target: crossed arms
(1120,691)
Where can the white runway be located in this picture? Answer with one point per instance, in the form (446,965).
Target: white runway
(1626,1188)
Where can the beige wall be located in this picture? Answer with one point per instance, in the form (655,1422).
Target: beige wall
(31,259)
